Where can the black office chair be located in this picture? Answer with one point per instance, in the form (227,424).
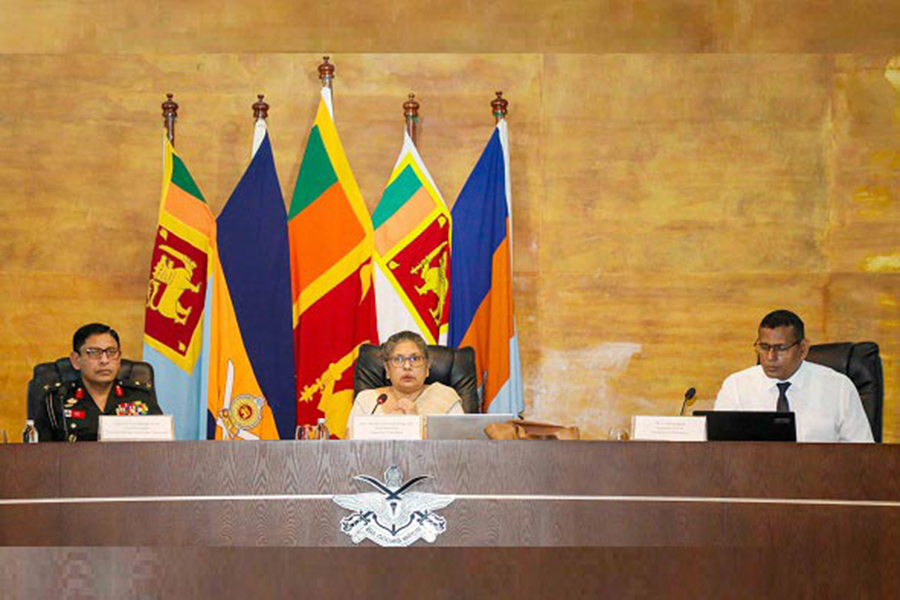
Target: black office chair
(862,364)
(454,367)
(62,371)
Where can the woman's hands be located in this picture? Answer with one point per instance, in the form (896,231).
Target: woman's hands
(403,406)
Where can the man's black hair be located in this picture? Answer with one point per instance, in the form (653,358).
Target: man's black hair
(784,318)
(86,331)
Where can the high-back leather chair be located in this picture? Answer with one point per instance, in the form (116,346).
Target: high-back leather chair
(454,367)
(62,371)
(862,364)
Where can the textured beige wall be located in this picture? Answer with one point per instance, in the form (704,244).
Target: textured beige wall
(678,170)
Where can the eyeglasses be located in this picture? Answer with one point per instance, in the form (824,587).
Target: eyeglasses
(764,348)
(414,361)
(96,353)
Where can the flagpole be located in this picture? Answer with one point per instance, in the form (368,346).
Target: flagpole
(411,113)
(260,109)
(498,106)
(170,115)
(260,114)
(326,75)
(326,72)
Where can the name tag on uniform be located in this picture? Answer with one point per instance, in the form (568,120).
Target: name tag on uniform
(144,428)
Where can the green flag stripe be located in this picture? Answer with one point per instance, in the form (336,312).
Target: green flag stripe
(401,189)
(183,179)
(316,174)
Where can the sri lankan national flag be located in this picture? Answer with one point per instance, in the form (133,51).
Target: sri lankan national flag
(412,252)
(185,241)
(331,275)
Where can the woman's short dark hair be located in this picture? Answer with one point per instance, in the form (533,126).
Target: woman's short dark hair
(784,318)
(86,331)
(403,336)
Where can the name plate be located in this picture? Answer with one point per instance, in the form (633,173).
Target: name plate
(387,427)
(668,429)
(143,428)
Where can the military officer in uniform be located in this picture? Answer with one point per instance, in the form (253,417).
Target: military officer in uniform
(71,412)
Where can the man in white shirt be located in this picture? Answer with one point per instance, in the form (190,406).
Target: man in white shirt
(825,402)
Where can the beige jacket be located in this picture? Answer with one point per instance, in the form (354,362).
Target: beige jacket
(436,399)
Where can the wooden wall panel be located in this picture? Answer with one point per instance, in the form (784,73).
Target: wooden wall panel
(862,242)
(692,158)
(665,197)
(378,26)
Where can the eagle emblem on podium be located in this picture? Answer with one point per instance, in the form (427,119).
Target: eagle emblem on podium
(393,516)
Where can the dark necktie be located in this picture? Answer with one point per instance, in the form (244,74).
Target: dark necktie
(783,405)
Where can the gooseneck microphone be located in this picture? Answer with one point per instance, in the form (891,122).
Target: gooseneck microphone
(381,400)
(688,396)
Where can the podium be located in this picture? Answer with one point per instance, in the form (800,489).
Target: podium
(531,519)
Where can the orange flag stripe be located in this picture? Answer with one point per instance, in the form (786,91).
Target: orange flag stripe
(408,217)
(330,227)
(227,344)
(186,208)
(489,332)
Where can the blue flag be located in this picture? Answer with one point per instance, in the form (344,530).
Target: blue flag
(255,261)
(481,304)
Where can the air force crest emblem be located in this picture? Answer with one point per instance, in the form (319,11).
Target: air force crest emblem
(393,516)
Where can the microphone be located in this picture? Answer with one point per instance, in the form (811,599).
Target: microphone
(382,399)
(688,396)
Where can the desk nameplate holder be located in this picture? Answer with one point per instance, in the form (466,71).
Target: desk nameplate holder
(668,429)
(144,428)
(388,427)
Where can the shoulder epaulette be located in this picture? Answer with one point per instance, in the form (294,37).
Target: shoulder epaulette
(136,384)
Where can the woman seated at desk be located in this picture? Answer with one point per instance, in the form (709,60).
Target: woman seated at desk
(406,364)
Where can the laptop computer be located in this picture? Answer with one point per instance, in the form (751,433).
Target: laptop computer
(749,426)
(462,427)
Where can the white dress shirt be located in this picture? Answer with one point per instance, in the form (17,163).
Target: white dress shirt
(825,402)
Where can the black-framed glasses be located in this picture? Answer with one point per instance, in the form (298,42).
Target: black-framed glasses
(414,361)
(764,348)
(96,353)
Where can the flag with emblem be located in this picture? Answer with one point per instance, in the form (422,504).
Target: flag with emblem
(412,252)
(250,389)
(331,267)
(173,332)
(481,305)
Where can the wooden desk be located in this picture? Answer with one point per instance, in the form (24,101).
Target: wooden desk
(531,518)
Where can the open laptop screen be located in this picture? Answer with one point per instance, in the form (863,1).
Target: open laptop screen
(749,426)
(462,427)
